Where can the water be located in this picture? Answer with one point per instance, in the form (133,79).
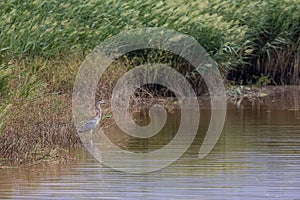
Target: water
(256,157)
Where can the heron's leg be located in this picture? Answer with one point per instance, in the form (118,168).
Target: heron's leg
(91,137)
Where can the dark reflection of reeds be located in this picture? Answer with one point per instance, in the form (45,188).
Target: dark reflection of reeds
(271,109)
(140,116)
(266,116)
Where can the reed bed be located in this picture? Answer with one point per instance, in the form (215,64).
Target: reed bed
(251,39)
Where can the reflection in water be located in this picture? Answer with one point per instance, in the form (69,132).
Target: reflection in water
(257,157)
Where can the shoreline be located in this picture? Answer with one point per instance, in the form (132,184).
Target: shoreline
(44,131)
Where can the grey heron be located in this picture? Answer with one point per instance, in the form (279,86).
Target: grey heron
(91,124)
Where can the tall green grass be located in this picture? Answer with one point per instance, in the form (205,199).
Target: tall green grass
(273,37)
(252,37)
(50,27)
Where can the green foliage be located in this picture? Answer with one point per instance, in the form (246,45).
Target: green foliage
(4,80)
(254,36)
(263,80)
(49,27)
(273,42)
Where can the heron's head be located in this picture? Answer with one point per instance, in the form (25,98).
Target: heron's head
(101,101)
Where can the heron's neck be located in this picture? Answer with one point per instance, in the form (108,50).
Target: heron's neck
(99,111)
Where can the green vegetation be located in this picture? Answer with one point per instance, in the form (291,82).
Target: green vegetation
(258,37)
(42,44)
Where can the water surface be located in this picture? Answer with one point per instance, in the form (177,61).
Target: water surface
(256,157)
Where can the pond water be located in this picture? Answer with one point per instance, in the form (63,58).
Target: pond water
(256,157)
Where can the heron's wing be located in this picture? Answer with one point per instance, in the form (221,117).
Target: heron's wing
(91,124)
